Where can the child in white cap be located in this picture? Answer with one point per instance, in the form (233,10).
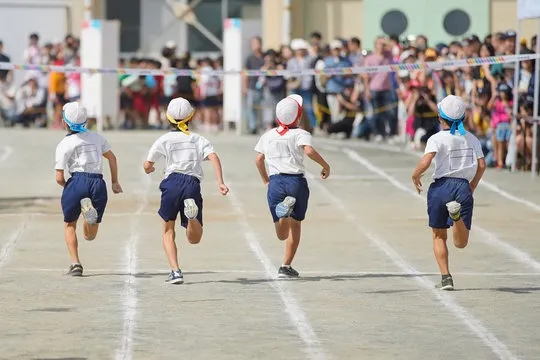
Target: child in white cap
(81,153)
(184,153)
(283,149)
(459,166)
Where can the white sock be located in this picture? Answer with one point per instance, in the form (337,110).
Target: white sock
(286,266)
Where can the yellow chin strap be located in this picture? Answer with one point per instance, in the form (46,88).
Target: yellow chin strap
(181,124)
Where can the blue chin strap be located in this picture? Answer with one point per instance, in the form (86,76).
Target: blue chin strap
(457,124)
(74,127)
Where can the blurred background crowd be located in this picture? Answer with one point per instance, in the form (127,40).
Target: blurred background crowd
(381,107)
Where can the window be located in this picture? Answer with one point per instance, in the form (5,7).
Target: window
(128,12)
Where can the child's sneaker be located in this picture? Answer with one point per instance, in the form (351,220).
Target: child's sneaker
(175,277)
(88,211)
(447,283)
(454,209)
(285,208)
(75,270)
(287,272)
(191,210)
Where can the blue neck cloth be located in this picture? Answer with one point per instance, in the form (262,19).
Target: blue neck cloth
(74,127)
(457,124)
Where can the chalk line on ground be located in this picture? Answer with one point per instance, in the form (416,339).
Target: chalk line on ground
(7,249)
(445,299)
(124,352)
(296,315)
(488,237)
(7,151)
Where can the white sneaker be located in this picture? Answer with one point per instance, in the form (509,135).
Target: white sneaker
(88,211)
(191,210)
(285,208)
(454,209)
(378,139)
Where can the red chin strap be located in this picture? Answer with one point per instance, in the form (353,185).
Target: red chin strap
(282,128)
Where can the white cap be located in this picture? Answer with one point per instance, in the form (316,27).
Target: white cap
(452,108)
(179,108)
(287,110)
(170,44)
(405,55)
(75,113)
(299,44)
(336,44)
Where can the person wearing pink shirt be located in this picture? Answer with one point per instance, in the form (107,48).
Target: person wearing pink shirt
(501,108)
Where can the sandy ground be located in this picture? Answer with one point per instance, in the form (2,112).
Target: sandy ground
(367,270)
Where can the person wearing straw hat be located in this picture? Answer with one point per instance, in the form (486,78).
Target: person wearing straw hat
(459,166)
(283,149)
(81,153)
(184,153)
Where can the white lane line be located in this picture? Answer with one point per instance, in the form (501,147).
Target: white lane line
(293,309)
(8,150)
(7,249)
(325,273)
(124,352)
(488,338)
(487,237)
(488,185)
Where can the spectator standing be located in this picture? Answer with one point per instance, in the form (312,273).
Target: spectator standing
(273,87)
(355,51)
(6,80)
(32,53)
(378,91)
(335,84)
(302,85)
(254,96)
(210,89)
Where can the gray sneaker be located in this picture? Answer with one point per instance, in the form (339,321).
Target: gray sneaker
(75,270)
(175,277)
(447,283)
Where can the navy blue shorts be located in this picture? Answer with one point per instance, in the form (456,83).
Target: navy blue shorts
(444,190)
(83,185)
(283,185)
(175,188)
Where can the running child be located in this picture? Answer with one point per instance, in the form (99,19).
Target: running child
(283,149)
(80,153)
(459,166)
(184,153)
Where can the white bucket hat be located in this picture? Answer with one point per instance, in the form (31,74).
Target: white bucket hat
(179,112)
(75,116)
(452,109)
(288,111)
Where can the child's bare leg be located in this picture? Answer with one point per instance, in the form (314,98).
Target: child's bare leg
(70,233)
(90,231)
(283,227)
(461,234)
(194,231)
(295,230)
(169,244)
(441,250)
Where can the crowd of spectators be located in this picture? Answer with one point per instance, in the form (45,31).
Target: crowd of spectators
(379,107)
(402,106)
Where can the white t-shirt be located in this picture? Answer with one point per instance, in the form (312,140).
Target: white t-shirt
(183,153)
(81,152)
(456,155)
(208,83)
(284,154)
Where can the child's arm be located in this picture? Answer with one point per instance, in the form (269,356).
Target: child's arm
(421,168)
(216,163)
(60,180)
(113,165)
(479,173)
(315,156)
(259,161)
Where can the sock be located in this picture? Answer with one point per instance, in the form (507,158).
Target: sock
(286,266)
(456,217)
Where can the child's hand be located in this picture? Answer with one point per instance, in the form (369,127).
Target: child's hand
(116,188)
(417,183)
(223,189)
(325,173)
